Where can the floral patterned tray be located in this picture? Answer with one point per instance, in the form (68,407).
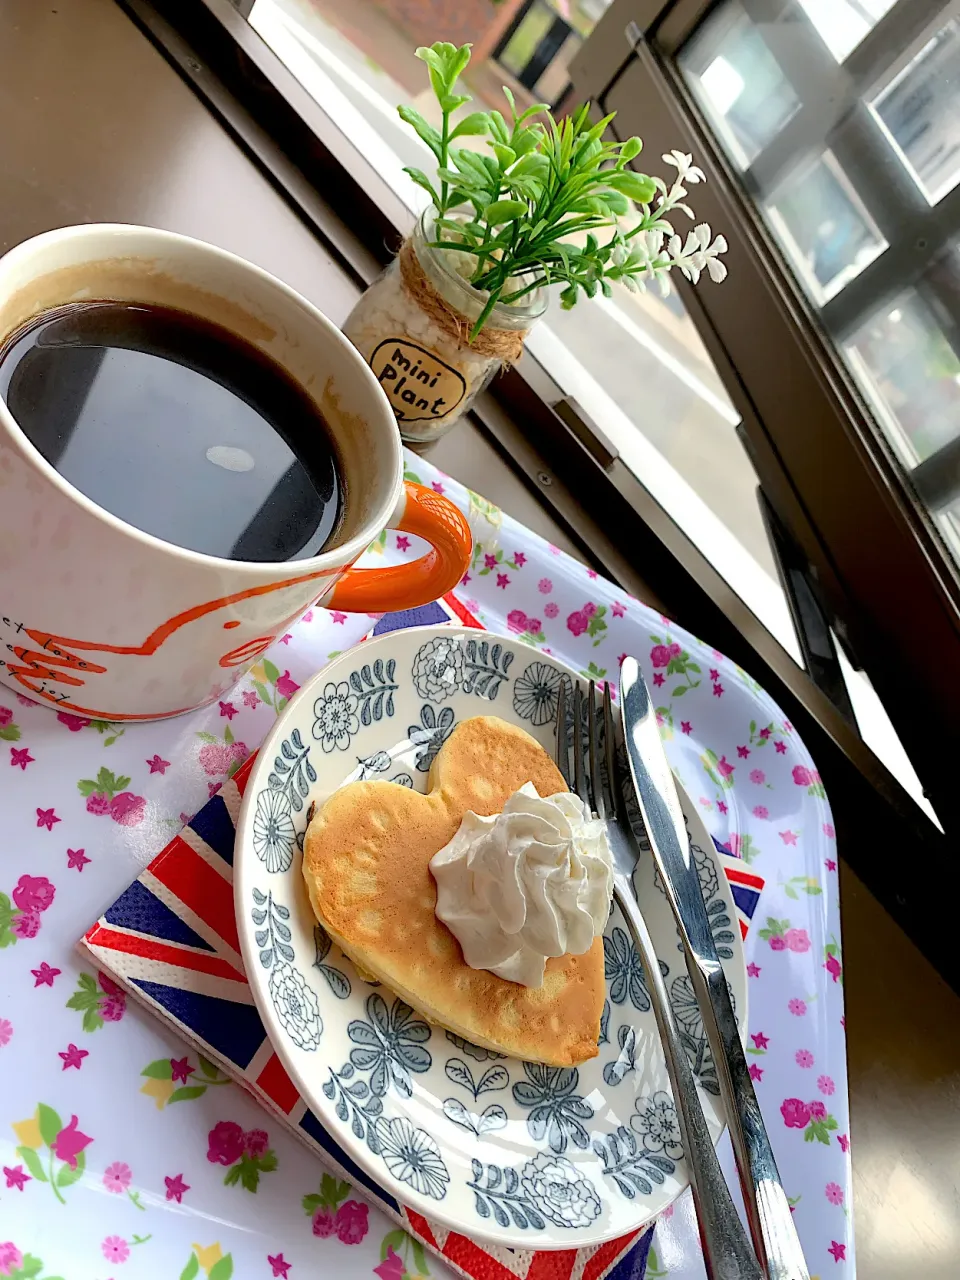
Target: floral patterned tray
(513,1152)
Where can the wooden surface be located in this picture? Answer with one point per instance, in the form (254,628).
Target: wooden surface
(97,127)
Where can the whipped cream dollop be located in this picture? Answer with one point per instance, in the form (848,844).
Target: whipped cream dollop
(532,882)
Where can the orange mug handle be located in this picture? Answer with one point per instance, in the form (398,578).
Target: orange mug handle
(404,586)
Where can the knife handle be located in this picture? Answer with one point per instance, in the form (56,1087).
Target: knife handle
(771,1221)
(726,1250)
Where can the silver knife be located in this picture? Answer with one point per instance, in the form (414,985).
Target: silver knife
(768,1211)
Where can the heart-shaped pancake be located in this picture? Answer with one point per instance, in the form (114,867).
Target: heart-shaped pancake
(366,861)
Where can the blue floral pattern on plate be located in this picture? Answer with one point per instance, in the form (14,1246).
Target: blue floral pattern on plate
(547,1189)
(274,834)
(519,1152)
(645,1154)
(335,717)
(536,693)
(430,734)
(556,1111)
(390,1045)
(296,1004)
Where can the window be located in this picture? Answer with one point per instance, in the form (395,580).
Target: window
(849,193)
(680,436)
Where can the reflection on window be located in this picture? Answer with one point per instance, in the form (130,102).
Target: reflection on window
(824,227)
(842,24)
(522,46)
(739,83)
(920,110)
(912,375)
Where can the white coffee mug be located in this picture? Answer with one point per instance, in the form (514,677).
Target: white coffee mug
(104,620)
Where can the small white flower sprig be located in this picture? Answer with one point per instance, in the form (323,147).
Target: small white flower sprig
(528,214)
(658,248)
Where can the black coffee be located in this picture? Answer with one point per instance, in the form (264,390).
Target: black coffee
(176,426)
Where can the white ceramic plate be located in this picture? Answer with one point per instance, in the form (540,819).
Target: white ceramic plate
(513,1152)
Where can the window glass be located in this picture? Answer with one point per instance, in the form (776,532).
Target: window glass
(842,24)
(739,83)
(824,227)
(920,111)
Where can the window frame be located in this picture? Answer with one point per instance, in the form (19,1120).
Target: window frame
(806,423)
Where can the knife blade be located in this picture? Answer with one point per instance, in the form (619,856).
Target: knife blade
(768,1211)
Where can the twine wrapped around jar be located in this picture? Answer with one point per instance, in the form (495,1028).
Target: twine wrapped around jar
(505,345)
(413,324)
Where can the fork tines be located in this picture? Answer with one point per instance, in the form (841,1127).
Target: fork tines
(595,784)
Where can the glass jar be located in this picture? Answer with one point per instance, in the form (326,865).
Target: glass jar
(412,327)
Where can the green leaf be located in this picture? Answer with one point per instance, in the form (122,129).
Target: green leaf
(505,155)
(158,1070)
(525,141)
(636,186)
(10,733)
(249,1171)
(7,937)
(207,737)
(421,179)
(87,981)
(232,1176)
(311,1204)
(392,1240)
(87,787)
(262,691)
(457,62)
(186,1093)
(50,1123)
(475,125)
(92,1021)
(122,783)
(271,671)
(535,110)
(419,1258)
(470,164)
(631,149)
(83,1000)
(267,1163)
(222,1269)
(67,1176)
(30,1266)
(228,735)
(498,126)
(679,691)
(208,1068)
(616,203)
(32,1161)
(532,165)
(192,1269)
(424,130)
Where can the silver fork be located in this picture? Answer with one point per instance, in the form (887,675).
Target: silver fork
(727,1253)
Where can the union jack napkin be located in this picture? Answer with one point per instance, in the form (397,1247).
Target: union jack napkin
(171,941)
